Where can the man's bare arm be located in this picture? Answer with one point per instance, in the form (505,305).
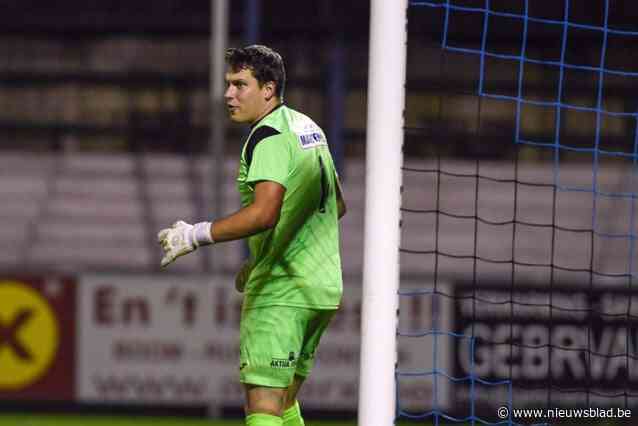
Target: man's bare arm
(257,217)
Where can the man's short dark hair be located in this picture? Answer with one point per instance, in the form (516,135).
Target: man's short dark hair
(266,65)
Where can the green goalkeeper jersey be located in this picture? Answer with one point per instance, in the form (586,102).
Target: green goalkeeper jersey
(296,263)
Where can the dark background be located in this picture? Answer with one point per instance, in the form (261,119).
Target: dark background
(137,73)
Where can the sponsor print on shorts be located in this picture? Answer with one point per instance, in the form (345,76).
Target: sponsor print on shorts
(284,362)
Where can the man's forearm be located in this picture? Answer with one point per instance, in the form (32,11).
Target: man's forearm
(248,221)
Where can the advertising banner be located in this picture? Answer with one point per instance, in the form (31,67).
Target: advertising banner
(168,339)
(569,344)
(37,338)
(151,339)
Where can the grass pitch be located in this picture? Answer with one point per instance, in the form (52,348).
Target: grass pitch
(83,420)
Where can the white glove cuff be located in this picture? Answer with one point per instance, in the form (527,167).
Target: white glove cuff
(202,234)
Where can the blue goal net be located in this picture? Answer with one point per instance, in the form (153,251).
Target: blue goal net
(518,213)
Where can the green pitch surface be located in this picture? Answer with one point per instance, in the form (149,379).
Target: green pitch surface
(81,420)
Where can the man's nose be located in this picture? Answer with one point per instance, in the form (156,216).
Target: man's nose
(229,94)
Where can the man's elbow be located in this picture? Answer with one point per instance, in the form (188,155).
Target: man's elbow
(270,222)
(268,219)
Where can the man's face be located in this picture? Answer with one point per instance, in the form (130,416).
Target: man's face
(245,100)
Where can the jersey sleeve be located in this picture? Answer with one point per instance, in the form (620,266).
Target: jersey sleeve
(271,160)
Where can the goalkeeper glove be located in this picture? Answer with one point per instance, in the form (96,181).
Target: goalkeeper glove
(182,238)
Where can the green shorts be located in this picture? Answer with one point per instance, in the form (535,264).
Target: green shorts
(278,342)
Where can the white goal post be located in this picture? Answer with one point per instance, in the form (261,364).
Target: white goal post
(384,158)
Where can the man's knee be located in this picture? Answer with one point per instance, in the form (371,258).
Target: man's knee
(265,400)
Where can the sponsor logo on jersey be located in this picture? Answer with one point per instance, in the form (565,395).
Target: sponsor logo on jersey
(311,140)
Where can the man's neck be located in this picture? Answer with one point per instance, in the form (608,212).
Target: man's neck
(270,107)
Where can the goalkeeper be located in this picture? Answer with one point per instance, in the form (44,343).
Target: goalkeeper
(291,201)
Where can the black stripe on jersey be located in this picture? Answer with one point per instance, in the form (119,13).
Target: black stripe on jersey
(258,135)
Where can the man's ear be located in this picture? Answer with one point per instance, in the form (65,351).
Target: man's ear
(269,90)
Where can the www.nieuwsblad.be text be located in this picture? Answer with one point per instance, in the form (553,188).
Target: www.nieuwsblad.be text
(562,413)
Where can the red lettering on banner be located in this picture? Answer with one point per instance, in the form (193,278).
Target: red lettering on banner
(132,305)
(153,350)
(149,387)
(184,300)
(221,351)
(110,311)
(103,306)
(190,309)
